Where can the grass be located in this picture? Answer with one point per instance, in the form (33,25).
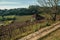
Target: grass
(10,16)
(23,18)
(28,30)
(7,20)
(53,36)
(18,33)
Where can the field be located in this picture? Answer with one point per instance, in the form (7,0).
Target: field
(20,28)
(23,18)
(53,36)
(29,28)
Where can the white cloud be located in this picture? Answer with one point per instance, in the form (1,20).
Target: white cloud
(8,2)
(7,7)
(12,7)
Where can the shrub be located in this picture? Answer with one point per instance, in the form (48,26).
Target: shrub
(48,24)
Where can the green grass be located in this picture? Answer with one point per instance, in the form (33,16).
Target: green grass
(7,20)
(23,18)
(10,16)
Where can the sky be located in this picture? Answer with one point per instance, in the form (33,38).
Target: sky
(10,4)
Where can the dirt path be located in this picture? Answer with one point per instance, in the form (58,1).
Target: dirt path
(42,32)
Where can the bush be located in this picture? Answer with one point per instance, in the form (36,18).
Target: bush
(7,18)
(48,24)
(10,18)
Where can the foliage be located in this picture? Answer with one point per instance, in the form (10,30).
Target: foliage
(19,11)
(7,18)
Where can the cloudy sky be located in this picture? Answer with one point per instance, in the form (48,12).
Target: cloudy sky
(8,4)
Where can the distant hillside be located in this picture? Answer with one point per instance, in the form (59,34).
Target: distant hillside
(32,9)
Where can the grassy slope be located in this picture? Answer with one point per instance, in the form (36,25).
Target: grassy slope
(31,28)
(53,36)
(28,29)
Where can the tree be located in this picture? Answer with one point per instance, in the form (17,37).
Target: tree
(52,4)
(34,9)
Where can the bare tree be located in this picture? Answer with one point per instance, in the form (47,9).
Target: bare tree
(52,4)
